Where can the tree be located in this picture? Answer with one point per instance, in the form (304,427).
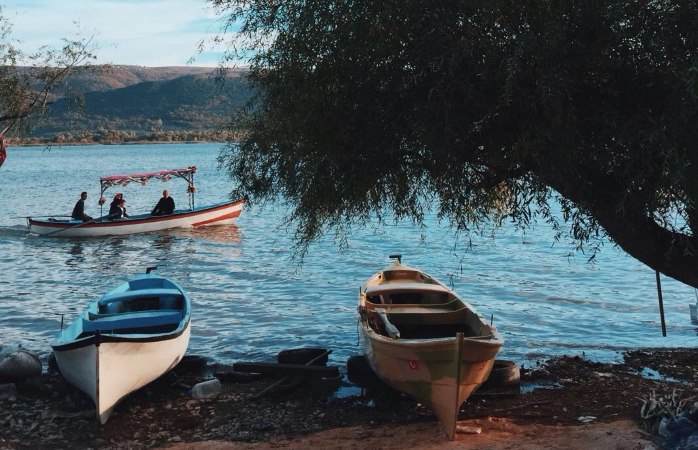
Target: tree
(489,109)
(28,82)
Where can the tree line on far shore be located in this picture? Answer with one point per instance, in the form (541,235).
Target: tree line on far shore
(126,137)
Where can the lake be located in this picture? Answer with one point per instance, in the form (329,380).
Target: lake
(252,298)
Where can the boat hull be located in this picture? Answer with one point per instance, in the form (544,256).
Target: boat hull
(424,340)
(127,338)
(220,214)
(431,372)
(109,371)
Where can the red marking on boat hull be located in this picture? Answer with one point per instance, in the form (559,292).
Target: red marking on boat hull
(231,215)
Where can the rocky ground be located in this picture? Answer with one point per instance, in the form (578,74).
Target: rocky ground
(46,412)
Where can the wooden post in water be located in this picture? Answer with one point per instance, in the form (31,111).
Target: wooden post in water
(661,303)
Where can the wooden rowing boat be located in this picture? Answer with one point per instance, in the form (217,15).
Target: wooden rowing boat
(129,337)
(218,214)
(422,339)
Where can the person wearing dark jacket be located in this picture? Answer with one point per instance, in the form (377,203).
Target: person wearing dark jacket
(120,212)
(165,206)
(79,209)
(114,207)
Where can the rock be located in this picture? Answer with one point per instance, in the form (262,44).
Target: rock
(468,430)
(19,366)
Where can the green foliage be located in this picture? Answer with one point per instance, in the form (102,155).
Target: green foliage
(28,81)
(184,103)
(486,110)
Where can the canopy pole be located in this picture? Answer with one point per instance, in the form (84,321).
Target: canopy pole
(661,302)
(101,194)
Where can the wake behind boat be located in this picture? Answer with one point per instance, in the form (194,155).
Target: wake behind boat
(218,214)
(422,339)
(129,337)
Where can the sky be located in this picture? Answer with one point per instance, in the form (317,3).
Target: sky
(151,33)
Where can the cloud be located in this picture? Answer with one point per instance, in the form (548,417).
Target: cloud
(134,32)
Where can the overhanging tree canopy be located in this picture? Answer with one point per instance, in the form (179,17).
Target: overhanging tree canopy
(488,109)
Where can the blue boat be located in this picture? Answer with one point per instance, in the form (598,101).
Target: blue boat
(124,340)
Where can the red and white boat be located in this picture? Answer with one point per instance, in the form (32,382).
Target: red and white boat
(218,214)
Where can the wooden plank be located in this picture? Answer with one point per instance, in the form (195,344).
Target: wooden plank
(392,330)
(286,369)
(321,359)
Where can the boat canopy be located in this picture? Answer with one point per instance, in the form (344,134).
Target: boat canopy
(143,178)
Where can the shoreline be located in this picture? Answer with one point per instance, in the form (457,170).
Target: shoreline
(594,405)
(84,144)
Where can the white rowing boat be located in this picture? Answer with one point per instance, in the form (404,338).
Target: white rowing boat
(129,337)
(218,214)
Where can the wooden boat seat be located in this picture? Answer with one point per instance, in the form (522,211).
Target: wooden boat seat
(425,316)
(410,325)
(452,305)
(122,321)
(149,283)
(408,293)
(419,309)
(140,300)
(128,295)
(99,316)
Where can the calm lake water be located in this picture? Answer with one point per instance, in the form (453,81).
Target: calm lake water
(250,296)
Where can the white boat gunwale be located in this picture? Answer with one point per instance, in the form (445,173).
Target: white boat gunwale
(100,337)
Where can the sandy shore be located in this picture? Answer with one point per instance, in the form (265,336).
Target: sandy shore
(496,434)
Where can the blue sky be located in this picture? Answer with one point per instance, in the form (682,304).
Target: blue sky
(135,32)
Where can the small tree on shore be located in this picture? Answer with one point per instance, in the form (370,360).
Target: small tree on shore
(29,81)
(486,110)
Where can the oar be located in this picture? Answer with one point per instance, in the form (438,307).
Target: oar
(36,215)
(70,227)
(284,379)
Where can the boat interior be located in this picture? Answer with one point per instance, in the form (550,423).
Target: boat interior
(153,310)
(412,295)
(420,314)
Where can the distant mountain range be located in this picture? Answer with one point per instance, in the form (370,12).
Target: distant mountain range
(134,103)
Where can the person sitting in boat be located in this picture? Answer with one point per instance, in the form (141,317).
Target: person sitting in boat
(79,209)
(114,207)
(165,206)
(120,211)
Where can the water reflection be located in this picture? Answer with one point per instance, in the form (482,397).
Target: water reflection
(224,234)
(163,242)
(75,254)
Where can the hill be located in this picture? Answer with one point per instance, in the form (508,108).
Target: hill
(127,103)
(107,78)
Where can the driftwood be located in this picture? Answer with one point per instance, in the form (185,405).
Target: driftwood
(287,369)
(320,358)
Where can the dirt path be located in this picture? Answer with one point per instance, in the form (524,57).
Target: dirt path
(497,434)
